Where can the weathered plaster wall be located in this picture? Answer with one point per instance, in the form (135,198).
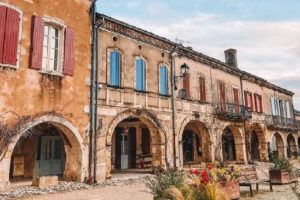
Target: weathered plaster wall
(26,91)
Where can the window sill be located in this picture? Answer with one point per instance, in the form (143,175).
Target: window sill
(164,95)
(141,91)
(51,73)
(9,66)
(114,86)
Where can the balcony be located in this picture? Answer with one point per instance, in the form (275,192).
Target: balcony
(278,122)
(233,112)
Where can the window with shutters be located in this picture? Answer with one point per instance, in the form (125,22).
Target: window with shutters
(248,100)
(52,47)
(140,76)
(115,69)
(202,89)
(10,35)
(163,71)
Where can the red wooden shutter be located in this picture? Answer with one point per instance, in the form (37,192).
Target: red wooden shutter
(260,103)
(251,99)
(2,30)
(202,90)
(246,98)
(69,51)
(11,37)
(222,97)
(255,102)
(37,40)
(186,84)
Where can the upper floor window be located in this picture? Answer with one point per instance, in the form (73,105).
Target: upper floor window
(9,35)
(202,89)
(52,47)
(258,103)
(163,70)
(222,97)
(186,84)
(280,108)
(115,69)
(140,74)
(248,100)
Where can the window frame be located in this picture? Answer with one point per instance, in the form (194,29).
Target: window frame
(202,97)
(108,80)
(18,56)
(145,73)
(61,46)
(159,78)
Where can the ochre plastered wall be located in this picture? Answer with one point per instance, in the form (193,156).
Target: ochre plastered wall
(27,92)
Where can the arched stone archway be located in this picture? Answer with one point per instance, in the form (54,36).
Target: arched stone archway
(277,145)
(156,130)
(233,145)
(200,140)
(257,144)
(291,146)
(75,148)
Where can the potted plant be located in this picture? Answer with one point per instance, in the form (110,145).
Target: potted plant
(281,172)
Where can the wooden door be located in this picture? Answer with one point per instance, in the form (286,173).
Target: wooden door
(118,148)
(188,147)
(132,145)
(146,141)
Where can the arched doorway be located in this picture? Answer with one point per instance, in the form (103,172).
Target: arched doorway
(40,152)
(254,141)
(194,144)
(131,146)
(149,140)
(232,143)
(76,159)
(228,145)
(277,145)
(291,147)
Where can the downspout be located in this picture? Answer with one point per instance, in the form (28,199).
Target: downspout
(173,55)
(244,113)
(96,125)
(92,90)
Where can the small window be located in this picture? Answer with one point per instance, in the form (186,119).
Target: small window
(163,70)
(51,48)
(140,75)
(115,69)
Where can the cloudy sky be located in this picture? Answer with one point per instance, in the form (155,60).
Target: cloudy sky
(266,33)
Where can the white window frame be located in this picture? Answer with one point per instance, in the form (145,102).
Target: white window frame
(17,66)
(61,45)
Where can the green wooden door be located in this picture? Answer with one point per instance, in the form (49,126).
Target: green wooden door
(52,156)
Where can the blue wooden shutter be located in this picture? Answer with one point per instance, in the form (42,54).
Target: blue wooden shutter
(140,75)
(115,68)
(163,80)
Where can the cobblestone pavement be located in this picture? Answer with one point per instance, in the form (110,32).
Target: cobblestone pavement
(138,191)
(134,191)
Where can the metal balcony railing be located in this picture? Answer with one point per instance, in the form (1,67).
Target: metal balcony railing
(282,123)
(232,111)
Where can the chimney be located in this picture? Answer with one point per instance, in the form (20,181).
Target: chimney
(231,58)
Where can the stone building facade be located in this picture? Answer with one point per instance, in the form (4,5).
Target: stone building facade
(224,113)
(44,63)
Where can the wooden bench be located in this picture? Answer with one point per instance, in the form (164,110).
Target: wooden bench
(249,177)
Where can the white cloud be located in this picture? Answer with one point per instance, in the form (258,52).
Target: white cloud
(270,50)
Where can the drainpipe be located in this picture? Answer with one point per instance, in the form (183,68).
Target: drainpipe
(244,112)
(96,125)
(173,55)
(92,90)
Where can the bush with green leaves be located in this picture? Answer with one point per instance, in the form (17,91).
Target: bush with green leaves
(282,164)
(164,181)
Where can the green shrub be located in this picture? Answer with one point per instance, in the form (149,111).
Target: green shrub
(281,164)
(164,181)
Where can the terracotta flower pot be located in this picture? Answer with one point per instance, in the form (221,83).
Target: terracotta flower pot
(280,177)
(231,189)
